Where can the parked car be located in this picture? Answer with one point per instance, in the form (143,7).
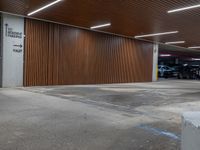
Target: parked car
(198,73)
(175,70)
(188,72)
(165,71)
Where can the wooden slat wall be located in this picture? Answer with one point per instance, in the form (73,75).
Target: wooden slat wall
(62,55)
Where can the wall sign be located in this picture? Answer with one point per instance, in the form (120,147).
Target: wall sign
(13,34)
(9,32)
(17,48)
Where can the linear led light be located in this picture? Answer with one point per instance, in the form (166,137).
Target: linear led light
(176,42)
(101,26)
(44,7)
(165,55)
(195,47)
(156,34)
(184,8)
(197,59)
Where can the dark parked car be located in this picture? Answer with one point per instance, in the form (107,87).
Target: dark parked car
(198,73)
(188,72)
(175,70)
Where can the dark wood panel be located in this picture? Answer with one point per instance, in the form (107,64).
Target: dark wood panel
(37,51)
(62,55)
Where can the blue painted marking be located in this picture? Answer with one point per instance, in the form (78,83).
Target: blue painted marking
(160,132)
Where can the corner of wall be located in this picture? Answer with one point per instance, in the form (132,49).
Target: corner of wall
(12,50)
(155,62)
(1,47)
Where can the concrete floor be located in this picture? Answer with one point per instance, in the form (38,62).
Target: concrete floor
(142,116)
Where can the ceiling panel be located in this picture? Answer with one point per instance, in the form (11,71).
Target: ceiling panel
(128,17)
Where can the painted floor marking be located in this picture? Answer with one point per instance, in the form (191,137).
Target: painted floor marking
(157,131)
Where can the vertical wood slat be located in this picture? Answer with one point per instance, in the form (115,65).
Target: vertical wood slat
(62,55)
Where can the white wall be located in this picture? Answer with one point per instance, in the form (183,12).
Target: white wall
(13,51)
(1,46)
(155,62)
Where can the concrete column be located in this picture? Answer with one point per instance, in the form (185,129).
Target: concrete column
(191,131)
(1,47)
(155,62)
(12,50)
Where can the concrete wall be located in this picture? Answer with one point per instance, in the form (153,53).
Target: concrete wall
(155,62)
(1,47)
(13,50)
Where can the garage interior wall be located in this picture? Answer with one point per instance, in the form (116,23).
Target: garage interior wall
(12,51)
(1,46)
(63,55)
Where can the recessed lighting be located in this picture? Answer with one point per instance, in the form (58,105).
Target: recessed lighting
(156,34)
(184,8)
(101,26)
(44,7)
(195,47)
(176,42)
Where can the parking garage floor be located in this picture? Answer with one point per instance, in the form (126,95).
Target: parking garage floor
(141,116)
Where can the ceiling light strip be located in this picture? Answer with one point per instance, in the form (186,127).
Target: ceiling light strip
(156,34)
(175,42)
(195,47)
(197,59)
(44,7)
(165,55)
(184,8)
(100,26)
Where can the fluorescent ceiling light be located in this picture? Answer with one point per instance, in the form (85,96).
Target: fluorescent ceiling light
(101,26)
(184,8)
(195,47)
(176,42)
(197,59)
(165,55)
(44,7)
(156,34)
